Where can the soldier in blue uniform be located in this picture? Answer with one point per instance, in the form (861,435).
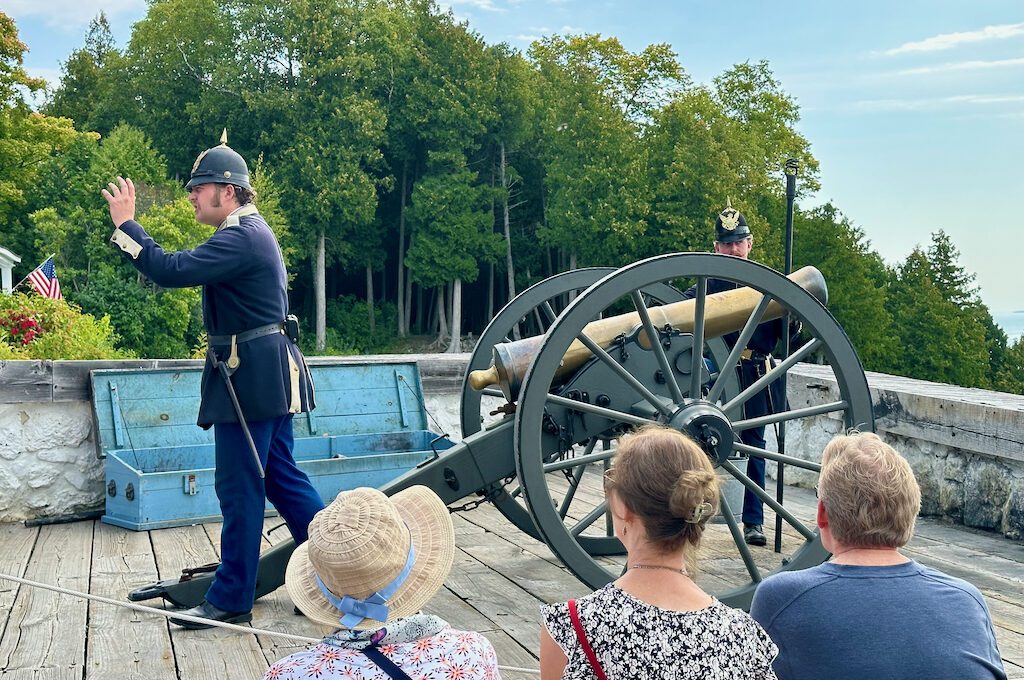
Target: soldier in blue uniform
(245,305)
(733,237)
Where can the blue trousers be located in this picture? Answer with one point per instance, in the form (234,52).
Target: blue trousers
(243,497)
(753,508)
(758,405)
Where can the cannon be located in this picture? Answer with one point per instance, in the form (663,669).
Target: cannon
(610,350)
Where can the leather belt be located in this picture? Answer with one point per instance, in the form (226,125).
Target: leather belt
(751,355)
(246,336)
(234,340)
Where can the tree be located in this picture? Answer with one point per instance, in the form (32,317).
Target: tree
(181,58)
(28,142)
(515,106)
(728,141)
(938,340)
(595,191)
(90,90)
(1010,375)
(856,279)
(326,144)
(453,223)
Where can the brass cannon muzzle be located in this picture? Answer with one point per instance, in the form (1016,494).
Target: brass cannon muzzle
(724,312)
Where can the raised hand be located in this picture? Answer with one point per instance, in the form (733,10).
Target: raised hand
(121,200)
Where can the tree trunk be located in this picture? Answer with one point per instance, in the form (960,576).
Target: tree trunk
(408,307)
(456,345)
(572,266)
(419,308)
(442,318)
(403,318)
(490,292)
(509,268)
(319,283)
(369,297)
(431,313)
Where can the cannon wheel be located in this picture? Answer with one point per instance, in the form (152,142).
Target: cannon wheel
(827,338)
(540,301)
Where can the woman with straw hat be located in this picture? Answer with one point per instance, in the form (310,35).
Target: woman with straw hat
(654,621)
(370,564)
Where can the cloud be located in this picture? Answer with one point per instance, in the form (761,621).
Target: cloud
(931,103)
(976,65)
(945,41)
(528,38)
(70,15)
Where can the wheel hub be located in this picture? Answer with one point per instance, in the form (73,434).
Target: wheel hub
(708,426)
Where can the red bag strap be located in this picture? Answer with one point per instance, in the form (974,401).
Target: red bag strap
(584,643)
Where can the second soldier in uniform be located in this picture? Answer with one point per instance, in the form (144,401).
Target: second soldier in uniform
(733,237)
(245,305)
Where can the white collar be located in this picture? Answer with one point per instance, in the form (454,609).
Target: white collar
(232,219)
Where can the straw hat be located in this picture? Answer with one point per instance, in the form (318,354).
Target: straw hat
(360,544)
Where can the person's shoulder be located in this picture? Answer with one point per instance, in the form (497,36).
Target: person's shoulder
(941,578)
(469,646)
(744,633)
(786,581)
(777,592)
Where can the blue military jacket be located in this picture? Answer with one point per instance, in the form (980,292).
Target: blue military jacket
(763,341)
(245,286)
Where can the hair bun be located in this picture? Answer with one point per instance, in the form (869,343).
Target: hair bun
(694,496)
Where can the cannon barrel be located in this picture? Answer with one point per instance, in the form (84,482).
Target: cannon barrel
(725,312)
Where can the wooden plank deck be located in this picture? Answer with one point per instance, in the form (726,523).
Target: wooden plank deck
(501,576)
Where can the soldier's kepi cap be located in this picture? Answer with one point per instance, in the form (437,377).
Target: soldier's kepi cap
(222,165)
(731,226)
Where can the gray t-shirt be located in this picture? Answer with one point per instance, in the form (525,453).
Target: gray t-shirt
(839,621)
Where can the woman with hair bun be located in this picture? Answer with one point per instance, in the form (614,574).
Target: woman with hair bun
(654,621)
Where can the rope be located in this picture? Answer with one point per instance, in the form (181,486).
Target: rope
(249,630)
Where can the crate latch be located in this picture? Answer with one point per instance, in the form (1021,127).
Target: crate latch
(189,485)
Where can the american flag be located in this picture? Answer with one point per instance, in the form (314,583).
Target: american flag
(44,280)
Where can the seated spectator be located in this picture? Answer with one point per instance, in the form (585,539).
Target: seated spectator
(654,621)
(370,564)
(870,611)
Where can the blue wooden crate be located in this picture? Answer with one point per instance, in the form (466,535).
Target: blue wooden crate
(369,427)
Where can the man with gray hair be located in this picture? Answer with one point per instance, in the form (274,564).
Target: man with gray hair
(870,611)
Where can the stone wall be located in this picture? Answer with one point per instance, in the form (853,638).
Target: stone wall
(966,446)
(48,463)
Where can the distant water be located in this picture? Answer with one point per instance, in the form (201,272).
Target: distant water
(1012,323)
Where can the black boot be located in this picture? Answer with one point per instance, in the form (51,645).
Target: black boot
(754,535)
(208,611)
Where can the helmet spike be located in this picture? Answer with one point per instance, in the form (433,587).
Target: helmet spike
(224,137)
(728,202)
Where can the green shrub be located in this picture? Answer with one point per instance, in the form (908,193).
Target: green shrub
(34,327)
(348,328)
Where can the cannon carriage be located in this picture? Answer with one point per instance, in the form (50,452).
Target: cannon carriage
(613,350)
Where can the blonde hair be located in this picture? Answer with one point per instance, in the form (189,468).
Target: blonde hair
(869,492)
(667,480)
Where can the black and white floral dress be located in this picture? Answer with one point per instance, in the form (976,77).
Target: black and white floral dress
(633,639)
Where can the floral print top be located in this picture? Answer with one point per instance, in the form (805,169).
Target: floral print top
(634,639)
(446,655)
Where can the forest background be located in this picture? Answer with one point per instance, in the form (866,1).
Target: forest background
(417,178)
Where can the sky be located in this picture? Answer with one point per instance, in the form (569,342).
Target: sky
(914,109)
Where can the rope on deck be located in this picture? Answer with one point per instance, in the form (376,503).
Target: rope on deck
(166,613)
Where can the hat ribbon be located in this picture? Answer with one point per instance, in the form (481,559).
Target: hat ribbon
(373,607)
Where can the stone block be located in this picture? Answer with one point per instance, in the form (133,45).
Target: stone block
(1013,522)
(986,491)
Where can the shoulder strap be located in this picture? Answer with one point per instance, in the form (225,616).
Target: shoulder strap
(584,643)
(384,663)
